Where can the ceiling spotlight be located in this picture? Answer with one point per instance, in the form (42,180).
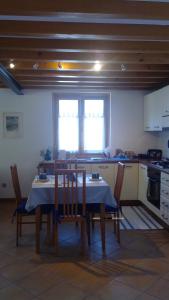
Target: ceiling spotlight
(60,67)
(97,66)
(123,68)
(12,65)
(35,66)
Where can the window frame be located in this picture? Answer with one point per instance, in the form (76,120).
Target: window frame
(81,97)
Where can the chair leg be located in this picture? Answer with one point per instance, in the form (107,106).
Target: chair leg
(115,223)
(38,225)
(93,214)
(88,229)
(83,232)
(17,229)
(48,227)
(20,225)
(55,235)
(118,228)
(102,226)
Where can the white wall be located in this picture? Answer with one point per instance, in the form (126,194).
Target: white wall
(127,122)
(37,135)
(126,131)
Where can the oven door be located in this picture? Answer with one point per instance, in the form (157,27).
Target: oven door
(153,192)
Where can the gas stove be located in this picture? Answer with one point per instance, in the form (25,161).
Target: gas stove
(162,164)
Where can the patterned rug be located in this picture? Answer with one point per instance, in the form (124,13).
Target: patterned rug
(136,217)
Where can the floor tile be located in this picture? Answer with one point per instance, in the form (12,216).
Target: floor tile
(63,291)
(39,281)
(146,297)
(15,293)
(136,269)
(160,289)
(116,290)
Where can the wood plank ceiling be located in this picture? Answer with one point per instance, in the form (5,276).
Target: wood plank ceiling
(55,44)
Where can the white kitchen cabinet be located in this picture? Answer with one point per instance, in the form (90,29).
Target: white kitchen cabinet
(164,197)
(107,171)
(143,183)
(87,167)
(153,112)
(130,182)
(164,95)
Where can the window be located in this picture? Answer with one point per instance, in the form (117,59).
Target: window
(93,125)
(81,122)
(68,123)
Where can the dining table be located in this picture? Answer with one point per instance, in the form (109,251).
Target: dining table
(98,192)
(42,192)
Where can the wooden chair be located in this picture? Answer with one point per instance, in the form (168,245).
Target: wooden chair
(21,213)
(70,200)
(110,212)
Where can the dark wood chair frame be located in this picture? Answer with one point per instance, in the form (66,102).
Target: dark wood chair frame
(70,204)
(116,214)
(21,217)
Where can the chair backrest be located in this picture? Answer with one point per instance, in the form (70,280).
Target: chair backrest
(70,191)
(119,182)
(16,184)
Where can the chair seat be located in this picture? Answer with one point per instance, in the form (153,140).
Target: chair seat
(45,208)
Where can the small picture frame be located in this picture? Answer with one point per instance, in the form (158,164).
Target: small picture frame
(12,125)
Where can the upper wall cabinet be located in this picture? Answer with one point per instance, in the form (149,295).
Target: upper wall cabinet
(164,94)
(152,112)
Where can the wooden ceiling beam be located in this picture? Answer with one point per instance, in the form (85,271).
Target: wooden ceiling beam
(9,80)
(58,30)
(83,46)
(66,9)
(90,83)
(69,75)
(87,88)
(88,58)
(89,80)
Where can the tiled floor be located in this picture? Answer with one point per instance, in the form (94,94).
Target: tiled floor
(137,269)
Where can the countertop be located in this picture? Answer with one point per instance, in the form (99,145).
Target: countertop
(100,161)
(145,162)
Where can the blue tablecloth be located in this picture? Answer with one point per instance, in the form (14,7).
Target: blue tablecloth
(94,194)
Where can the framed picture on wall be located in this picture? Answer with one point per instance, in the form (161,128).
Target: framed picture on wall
(12,125)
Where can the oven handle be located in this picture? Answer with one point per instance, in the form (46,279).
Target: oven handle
(148,190)
(148,186)
(153,180)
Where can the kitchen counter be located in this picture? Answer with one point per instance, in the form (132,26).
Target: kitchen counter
(95,160)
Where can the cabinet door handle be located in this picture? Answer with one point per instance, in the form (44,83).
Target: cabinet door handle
(147,126)
(144,168)
(156,126)
(128,166)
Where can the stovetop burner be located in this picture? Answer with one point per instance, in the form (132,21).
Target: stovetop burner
(164,164)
